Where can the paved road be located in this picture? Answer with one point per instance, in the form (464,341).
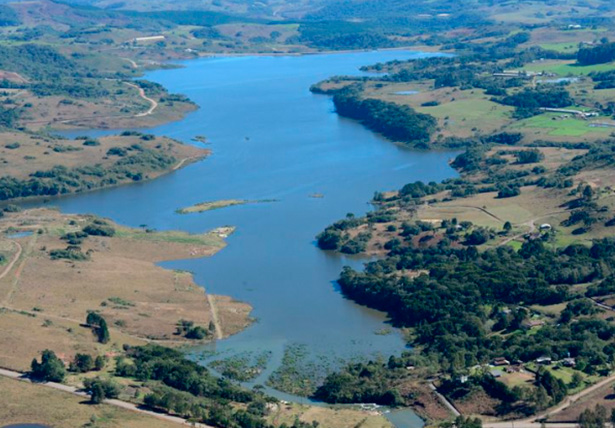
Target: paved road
(444,400)
(117,403)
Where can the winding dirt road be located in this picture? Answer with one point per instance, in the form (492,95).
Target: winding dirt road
(153,103)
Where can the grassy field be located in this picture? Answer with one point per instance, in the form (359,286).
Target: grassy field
(459,112)
(567,68)
(34,152)
(563,47)
(603,396)
(27,403)
(327,417)
(139,300)
(213,239)
(555,125)
(485,209)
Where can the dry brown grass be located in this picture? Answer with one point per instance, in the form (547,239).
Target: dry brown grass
(121,281)
(27,403)
(554,157)
(603,396)
(41,155)
(24,336)
(426,403)
(477,403)
(533,203)
(118,110)
(327,417)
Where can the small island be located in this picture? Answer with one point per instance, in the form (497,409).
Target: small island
(216,205)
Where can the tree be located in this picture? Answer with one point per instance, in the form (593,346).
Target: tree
(478,236)
(588,193)
(593,419)
(103,332)
(99,326)
(97,394)
(100,389)
(100,362)
(576,380)
(82,363)
(50,369)
(507,227)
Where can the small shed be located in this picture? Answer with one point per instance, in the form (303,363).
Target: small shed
(500,361)
(544,360)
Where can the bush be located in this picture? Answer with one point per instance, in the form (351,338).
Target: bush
(101,389)
(197,333)
(50,369)
(72,252)
(99,228)
(82,363)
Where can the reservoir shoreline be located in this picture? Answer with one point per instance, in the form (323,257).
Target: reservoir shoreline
(297,146)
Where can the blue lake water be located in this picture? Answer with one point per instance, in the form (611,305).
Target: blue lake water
(273,139)
(25,426)
(18,235)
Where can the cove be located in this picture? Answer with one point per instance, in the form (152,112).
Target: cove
(273,139)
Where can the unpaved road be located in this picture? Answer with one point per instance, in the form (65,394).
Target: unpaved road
(117,403)
(532,422)
(12,263)
(153,103)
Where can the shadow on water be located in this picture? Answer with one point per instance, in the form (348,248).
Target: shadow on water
(273,139)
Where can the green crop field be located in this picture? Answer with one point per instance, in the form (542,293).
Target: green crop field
(560,47)
(567,68)
(568,127)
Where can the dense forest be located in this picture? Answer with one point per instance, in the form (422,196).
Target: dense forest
(600,54)
(399,123)
(465,297)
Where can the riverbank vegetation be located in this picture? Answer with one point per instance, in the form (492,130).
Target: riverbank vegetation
(46,166)
(502,275)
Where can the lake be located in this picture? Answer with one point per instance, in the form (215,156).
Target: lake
(273,139)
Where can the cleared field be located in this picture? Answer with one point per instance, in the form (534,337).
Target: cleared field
(27,403)
(248,32)
(603,396)
(327,417)
(561,47)
(25,334)
(518,379)
(566,68)
(554,157)
(459,112)
(555,124)
(486,210)
(120,281)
